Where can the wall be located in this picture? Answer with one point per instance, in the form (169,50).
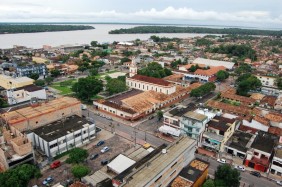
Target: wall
(6,80)
(144,86)
(266,81)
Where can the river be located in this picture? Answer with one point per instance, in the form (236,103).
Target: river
(100,34)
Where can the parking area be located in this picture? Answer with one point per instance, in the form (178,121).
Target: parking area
(116,144)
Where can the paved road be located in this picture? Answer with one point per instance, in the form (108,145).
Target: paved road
(126,129)
(246,177)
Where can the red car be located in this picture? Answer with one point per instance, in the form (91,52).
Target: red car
(55,164)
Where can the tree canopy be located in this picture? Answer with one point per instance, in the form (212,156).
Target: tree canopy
(203,90)
(77,155)
(247,82)
(279,83)
(34,76)
(39,82)
(87,87)
(209,183)
(80,171)
(155,70)
(222,75)
(229,176)
(19,176)
(55,73)
(175,29)
(243,68)
(116,85)
(242,51)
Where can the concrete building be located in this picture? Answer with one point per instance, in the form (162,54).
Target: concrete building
(217,133)
(60,136)
(27,70)
(43,113)
(194,175)
(259,154)
(15,149)
(276,165)
(23,94)
(193,123)
(209,62)
(267,80)
(145,83)
(160,168)
(239,143)
(8,82)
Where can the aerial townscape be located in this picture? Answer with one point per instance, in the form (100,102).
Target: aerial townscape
(149,104)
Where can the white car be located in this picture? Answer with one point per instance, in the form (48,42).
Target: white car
(279,183)
(241,168)
(223,161)
(105,149)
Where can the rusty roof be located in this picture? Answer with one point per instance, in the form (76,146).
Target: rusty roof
(151,80)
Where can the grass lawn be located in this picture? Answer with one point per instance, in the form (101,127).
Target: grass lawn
(64,87)
(105,74)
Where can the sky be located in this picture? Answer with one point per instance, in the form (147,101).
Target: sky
(242,13)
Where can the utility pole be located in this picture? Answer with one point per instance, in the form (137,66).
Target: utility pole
(145,136)
(135,132)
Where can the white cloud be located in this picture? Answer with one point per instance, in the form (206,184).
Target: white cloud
(34,12)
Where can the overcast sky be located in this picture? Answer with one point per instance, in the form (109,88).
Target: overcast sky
(250,13)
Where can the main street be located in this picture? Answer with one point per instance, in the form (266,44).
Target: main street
(133,133)
(246,178)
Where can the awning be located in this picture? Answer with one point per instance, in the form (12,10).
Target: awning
(169,130)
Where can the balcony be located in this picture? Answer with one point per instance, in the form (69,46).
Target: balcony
(216,147)
(213,136)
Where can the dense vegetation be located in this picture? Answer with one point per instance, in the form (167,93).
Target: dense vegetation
(163,39)
(173,29)
(203,90)
(116,85)
(19,176)
(155,70)
(22,28)
(241,51)
(247,82)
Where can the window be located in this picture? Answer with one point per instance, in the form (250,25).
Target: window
(272,171)
(278,173)
(53,145)
(158,178)
(77,135)
(84,132)
(277,163)
(173,165)
(172,173)
(255,153)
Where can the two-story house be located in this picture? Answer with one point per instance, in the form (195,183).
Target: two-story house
(260,153)
(217,133)
(276,166)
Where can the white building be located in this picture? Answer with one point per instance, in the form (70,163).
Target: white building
(145,83)
(62,135)
(209,62)
(266,80)
(26,93)
(276,166)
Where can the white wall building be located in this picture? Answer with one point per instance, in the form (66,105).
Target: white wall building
(62,135)
(276,166)
(266,80)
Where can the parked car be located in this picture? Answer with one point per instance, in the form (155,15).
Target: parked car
(101,142)
(151,117)
(105,149)
(55,164)
(255,173)
(48,180)
(279,183)
(241,168)
(220,160)
(94,156)
(104,162)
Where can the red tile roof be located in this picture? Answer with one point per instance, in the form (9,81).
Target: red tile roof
(150,80)
(209,72)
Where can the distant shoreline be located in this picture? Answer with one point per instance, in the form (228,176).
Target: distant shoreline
(198,30)
(37,28)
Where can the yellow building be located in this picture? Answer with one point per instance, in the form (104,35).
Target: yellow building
(8,82)
(194,175)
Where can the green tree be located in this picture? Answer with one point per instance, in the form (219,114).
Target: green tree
(87,87)
(3,103)
(125,59)
(175,63)
(93,72)
(193,68)
(77,155)
(55,73)
(19,176)
(160,114)
(243,68)
(48,80)
(203,90)
(94,43)
(247,82)
(115,86)
(34,76)
(209,183)
(155,70)
(231,177)
(80,171)
(39,82)
(222,75)
(279,83)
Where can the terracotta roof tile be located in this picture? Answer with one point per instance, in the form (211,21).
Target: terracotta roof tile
(270,100)
(150,80)
(209,72)
(230,108)
(276,117)
(262,120)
